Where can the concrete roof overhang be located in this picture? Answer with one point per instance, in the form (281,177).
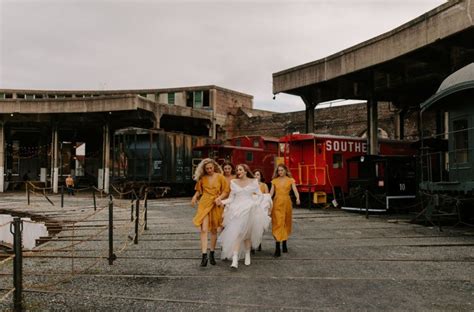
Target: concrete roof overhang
(404,66)
(121,110)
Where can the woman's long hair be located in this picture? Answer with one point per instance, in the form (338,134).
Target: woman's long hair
(247,169)
(228,163)
(287,172)
(262,178)
(200,169)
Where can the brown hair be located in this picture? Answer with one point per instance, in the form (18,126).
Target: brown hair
(247,169)
(228,163)
(287,172)
(262,178)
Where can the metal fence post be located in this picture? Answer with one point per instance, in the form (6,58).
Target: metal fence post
(112,256)
(131,210)
(146,211)
(366,204)
(27,194)
(93,196)
(137,220)
(17,263)
(62,196)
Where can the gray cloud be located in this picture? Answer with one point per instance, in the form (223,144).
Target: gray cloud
(156,44)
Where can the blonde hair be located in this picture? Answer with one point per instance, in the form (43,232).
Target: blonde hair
(287,172)
(200,169)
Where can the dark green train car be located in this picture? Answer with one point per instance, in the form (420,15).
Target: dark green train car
(447,170)
(155,159)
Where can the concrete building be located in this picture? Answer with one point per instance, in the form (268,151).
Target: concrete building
(403,66)
(42,131)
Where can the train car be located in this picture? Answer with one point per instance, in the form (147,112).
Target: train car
(259,152)
(447,172)
(380,183)
(154,158)
(319,162)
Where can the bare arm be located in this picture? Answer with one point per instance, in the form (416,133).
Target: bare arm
(195,198)
(218,201)
(272,191)
(295,190)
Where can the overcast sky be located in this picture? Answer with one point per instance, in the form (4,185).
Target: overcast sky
(106,44)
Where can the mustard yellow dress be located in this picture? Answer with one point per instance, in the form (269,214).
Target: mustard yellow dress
(263,187)
(282,208)
(206,206)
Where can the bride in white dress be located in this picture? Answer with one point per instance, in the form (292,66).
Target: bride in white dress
(246,217)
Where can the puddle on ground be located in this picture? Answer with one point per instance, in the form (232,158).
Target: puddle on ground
(32,230)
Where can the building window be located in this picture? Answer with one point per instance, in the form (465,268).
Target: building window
(256,143)
(461,141)
(171,97)
(249,156)
(197,99)
(337,161)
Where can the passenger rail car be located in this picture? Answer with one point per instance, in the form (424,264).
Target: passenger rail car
(258,152)
(319,162)
(156,158)
(447,175)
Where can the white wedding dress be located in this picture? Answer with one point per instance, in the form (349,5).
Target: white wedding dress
(245,217)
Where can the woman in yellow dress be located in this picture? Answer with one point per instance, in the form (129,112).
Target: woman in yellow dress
(282,183)
(211,188)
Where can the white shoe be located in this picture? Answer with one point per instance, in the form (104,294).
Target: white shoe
(235,260)
(247,257)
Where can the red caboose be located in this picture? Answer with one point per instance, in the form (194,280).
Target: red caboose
(258,152)
(318,162)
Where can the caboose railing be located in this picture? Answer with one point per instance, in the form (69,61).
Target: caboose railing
(307,170)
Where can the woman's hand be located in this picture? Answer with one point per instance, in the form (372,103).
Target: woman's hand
(298,202)
(218,201)
(193,201)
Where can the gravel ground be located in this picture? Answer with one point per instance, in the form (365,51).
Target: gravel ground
(337,261)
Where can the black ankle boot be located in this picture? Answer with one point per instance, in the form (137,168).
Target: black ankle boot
(284,248)
(259,247)
(277,250)
(212,260)
(204,260)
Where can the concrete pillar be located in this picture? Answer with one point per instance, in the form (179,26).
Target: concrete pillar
(399,125)
(401,119)
(55,178)
(372,127)
(309,113)
(2,157)
(106,158)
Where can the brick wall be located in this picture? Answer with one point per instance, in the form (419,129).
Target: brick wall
(348,120)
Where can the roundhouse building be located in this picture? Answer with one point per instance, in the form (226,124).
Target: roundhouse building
(46,135)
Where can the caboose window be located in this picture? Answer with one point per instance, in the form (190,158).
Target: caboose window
(337,161)
(256,143)
(461,141)
(249,156)
(238,142)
